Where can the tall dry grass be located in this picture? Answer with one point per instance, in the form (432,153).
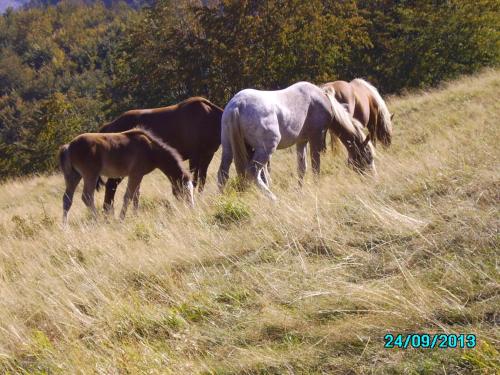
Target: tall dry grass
(241,285)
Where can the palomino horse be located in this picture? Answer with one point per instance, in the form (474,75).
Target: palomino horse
(364,103)
(133,153)
(263,121)
(192,127)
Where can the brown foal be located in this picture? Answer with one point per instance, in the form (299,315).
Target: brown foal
(133,153)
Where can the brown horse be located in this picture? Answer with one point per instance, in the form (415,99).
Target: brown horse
(192,127)
(133,153)
(364,103)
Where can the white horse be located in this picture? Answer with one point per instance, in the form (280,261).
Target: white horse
(260,122)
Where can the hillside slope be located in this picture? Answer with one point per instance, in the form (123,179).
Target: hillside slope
(241,285)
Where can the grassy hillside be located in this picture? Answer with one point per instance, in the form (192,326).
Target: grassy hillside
(241,285)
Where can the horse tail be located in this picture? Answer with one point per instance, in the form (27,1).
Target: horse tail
(383,127)
(64,162)
(238,147)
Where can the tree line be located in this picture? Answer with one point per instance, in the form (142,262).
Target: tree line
(68,67)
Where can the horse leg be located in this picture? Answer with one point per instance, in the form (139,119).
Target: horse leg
(258,163)
(109,196)
(194,163)
(301,161)
(135,199)
(132,190)
(225,163)
(89,184)
(266,173)
(72,180)
(316,147)
(202,170)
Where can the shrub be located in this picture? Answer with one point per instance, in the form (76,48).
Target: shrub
(231,210)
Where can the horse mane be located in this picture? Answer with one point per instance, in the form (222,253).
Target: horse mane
(160,143)
(385,115)
(340,112)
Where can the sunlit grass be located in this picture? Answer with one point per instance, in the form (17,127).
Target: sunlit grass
(309,284)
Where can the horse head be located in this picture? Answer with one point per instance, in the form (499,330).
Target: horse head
(184,189)
(361,155)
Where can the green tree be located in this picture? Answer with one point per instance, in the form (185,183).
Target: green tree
(55,64)
(420,43)
(217,50)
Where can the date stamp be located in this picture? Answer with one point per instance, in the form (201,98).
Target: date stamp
(429,341)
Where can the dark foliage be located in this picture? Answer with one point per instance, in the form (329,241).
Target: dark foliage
(67,68)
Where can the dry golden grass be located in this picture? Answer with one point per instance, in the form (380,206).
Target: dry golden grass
(241,285)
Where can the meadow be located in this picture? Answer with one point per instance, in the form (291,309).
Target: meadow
(241,285)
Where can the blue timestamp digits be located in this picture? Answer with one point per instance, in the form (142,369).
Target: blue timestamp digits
(430,341)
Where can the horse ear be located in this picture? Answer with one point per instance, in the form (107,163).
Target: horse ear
(392,116)
(367,139)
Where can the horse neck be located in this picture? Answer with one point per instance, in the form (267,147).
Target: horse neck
(167,163)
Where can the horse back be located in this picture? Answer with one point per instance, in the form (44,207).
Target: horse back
(288,115)
(365,106)
(190,126)
(111,154)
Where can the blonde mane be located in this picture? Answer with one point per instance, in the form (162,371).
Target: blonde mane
(342,115)
(385,115)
